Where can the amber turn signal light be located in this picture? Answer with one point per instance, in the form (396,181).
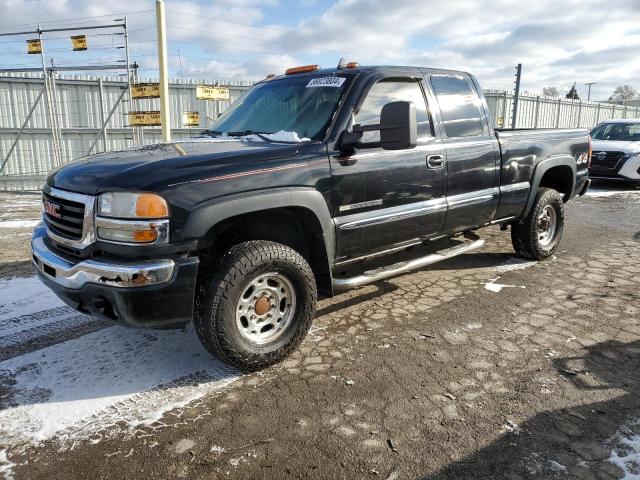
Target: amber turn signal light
(304,68)
(145,235)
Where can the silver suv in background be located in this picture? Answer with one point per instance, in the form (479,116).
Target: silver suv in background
(616,150)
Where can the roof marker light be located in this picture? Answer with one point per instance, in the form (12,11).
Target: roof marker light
(304,68)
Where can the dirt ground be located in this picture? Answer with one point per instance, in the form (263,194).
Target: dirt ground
(479,367)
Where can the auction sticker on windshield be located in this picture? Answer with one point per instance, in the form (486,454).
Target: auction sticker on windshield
(335,82)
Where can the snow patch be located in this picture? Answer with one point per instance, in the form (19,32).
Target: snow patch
(281,136)
(19,223)
(597,193)
(515,264)
(23,296)
(497,287)
(82,387)
(6,466)
(626,450)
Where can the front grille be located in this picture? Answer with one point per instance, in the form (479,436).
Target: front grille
(609,162)
(70,222)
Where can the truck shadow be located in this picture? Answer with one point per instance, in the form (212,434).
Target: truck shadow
(568,440)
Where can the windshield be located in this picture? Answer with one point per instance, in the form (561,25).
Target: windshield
(302,105)
(624,132)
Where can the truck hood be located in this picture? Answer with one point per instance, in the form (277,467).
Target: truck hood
(614,146)
(153,167)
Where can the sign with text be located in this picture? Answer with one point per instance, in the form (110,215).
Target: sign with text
(209,92)
(145,90)
(34,46)
(191,119)
(79,43)
(144,119)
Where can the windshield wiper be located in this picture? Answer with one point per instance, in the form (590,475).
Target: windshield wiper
(245,133)
(211,133)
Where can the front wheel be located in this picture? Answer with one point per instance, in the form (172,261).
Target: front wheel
(538,235)
(257,306)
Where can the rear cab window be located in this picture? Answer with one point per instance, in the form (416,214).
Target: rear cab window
(460,105)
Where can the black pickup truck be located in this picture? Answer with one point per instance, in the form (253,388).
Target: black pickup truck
(308,173)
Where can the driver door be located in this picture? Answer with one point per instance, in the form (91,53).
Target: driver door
(385,199)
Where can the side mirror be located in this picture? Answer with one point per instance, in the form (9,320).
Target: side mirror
(398,129)
(398,126)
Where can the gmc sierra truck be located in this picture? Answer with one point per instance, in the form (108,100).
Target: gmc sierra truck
(306,174)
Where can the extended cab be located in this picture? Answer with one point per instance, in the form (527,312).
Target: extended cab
(308,175)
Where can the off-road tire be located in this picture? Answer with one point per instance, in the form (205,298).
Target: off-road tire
(219,290)
(525,234)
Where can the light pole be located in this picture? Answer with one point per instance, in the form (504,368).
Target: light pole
(588,84)
(164,74)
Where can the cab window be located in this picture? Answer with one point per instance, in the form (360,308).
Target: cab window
(393,90)
(459,105)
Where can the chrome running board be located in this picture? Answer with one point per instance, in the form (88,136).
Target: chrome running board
(475,242)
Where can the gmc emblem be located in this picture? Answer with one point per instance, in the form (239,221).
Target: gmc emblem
(52,209)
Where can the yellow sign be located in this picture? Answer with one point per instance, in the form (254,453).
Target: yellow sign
(208,92)
(500,121)
(191,119)
(34,46)
(79,43)
(145,90)
(144,119)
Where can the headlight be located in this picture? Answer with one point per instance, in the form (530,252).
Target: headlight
(132,205)
(132,218)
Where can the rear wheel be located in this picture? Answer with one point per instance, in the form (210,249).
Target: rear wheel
(257,306)
(538,235)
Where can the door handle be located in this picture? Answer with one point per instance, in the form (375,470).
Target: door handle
(435,161)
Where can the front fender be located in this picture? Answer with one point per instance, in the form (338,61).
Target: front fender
(208,214)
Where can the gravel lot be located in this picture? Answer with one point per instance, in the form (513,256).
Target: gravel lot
(481,367)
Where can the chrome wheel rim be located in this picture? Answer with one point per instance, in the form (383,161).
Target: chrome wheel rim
(547,226)
(265,308)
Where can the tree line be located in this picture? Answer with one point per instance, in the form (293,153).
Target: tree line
(622,93)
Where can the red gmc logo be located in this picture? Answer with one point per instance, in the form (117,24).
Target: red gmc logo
(52,209)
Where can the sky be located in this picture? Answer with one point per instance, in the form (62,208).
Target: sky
(558,42)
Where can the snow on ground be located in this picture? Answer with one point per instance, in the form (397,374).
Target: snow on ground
(22,296)
(626,450)
(77,388)
(18,223)
(492,286)
(621,192)
(515,264)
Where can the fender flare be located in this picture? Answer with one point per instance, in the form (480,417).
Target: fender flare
(208,214)
(541,168)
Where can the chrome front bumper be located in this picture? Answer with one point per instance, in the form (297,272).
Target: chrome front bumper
(68,274)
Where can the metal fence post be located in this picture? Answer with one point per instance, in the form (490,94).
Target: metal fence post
(504,110)
(598,114)
(558,113)
(102,113)
(579,114)
(535,120)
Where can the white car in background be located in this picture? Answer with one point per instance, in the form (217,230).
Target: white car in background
(616,150)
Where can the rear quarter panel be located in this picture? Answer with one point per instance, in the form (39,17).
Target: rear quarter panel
(527,154)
